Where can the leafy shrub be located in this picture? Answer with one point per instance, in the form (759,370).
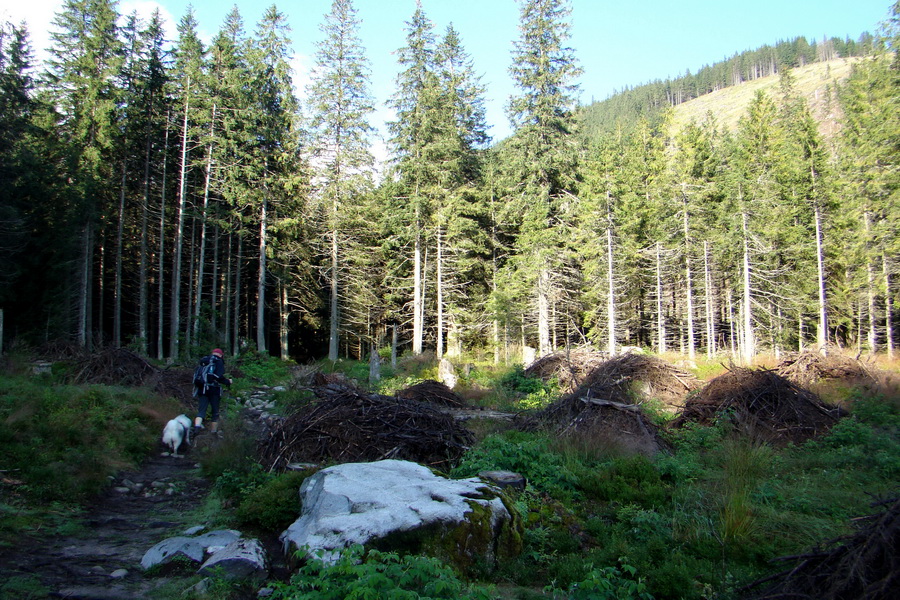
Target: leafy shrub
(235,484)
(358,574)
(527,454)
(516,381)
(274,504)
(628,479)
(609,583)
(262,368)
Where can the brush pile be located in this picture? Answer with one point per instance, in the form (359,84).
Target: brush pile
(809,367)
(120,366)
(763,403)
(606,405)
(113,366)
(432,392)
(345,424)
(569,368)
(864,565)
(635,378)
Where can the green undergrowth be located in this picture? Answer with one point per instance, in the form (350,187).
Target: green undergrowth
(63,441)
(699,521)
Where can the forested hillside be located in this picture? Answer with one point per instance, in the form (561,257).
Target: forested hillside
(168,197)
(649,100)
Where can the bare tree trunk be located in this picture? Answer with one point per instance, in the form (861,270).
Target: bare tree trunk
(236,348)
(543,285)
(710,310)
(748,346)
(175,319)
(192,271)
(198,299)
(333,329)
(888,307)
(261,282)
(101,289)
(692,345)
(161,276)
(822,337)
(870,287)
(439,290)
(120,235)
(226,293)
(394,346)
(84,287)
(285,314)
(660,314)
(732,335)
(214,292)
(418,295)
(610,266)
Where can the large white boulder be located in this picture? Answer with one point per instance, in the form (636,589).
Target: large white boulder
(401,505)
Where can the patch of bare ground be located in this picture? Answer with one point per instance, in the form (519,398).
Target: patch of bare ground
(111,535)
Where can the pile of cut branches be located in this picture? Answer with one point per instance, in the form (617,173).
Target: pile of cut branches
(806,368)
(569,368)
(634,378)
(173,382)
(864,565)
(113,366)
(606,405)
(761,402)
(120,366)
(61,350)
(345,424)
(432,392)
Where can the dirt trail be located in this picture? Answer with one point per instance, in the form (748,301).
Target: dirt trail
(114,534)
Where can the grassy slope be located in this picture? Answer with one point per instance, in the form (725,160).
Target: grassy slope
(730,104)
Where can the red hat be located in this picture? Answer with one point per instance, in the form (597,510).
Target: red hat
(218,352)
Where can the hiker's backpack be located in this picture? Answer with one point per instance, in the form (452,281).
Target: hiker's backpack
(204,374)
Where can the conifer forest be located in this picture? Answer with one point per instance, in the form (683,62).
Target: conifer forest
(167,195)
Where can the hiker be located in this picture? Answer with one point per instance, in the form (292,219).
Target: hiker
(207,378)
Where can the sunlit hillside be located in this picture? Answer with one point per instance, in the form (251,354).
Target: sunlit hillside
(817,82)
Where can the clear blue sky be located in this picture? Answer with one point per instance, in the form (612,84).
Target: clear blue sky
(617,43)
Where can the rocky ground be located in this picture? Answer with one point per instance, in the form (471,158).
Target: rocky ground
(99,555)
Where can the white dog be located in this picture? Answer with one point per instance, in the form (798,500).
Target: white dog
(177,431)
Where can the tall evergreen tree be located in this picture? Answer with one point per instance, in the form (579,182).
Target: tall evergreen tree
(340,104)
(17,109)
(187,79)
(415,138)
(461,245)
(276,167)
(542,149)
(85,59)
(150,118)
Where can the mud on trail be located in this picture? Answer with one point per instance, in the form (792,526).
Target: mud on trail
(111,536)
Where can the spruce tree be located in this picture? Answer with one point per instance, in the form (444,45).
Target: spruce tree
(187,80)
(340,104)
(275,171)
(542,151)
(415,143)
(85,59)
(459,217)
